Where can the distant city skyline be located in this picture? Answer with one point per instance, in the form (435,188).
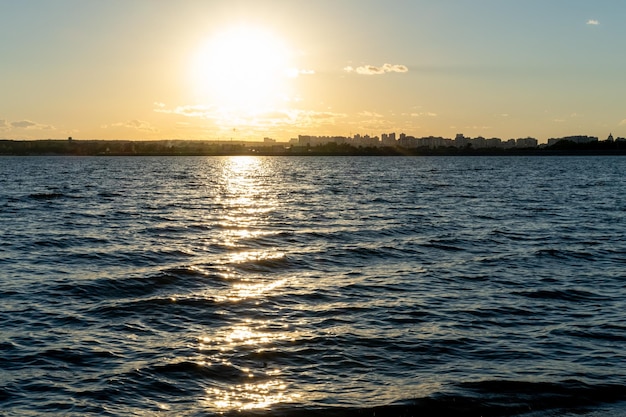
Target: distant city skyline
(244,69)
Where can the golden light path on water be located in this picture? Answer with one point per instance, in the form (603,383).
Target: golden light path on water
(245,204)
(248,353)
(260,390)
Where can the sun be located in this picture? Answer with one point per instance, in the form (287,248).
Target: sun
(243,69)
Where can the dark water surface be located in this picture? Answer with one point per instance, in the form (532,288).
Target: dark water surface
(200,286)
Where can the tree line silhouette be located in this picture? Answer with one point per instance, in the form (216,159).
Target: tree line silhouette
(193,147)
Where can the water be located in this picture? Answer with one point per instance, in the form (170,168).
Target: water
(202,286)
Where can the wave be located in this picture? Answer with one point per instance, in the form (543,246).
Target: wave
(169,280)
(566,254)
(602,332)
(494,398)
(143,285)
(46,196)
(561,295)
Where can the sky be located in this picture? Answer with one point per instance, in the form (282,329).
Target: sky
(250,69)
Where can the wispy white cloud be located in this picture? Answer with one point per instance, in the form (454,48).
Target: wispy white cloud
(255,120)
(374,70)
(197,110)
(564,118)
(371,114)
(423,114)
(24,124)
(371,122)
(136,124)
(593,22)
(478,127)
(309,119)
(622,123)
(316,118)
(295,72)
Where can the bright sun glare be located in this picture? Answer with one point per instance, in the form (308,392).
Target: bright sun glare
(242,70)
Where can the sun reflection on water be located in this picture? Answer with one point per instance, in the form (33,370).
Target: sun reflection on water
(255,256)
(245,290)
(243,163)
(246,198)
(239,336)
(263,386)
(249,396)
(245,335)
(246,202)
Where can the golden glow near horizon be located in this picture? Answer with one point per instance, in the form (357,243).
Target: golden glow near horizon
(249,69)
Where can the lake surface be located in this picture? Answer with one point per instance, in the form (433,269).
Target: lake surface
(201,286)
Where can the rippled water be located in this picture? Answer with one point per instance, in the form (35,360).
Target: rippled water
(312,286)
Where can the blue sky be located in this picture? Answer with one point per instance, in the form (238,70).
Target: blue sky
(148,69)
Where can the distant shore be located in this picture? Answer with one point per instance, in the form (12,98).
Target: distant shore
(212,148)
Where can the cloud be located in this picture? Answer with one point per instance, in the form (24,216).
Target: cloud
(4,124)
(369,121)
(424,114)
(366,70)
(202,111)
(312,118)
(593,22)
(475,127)
(622,123)
(372,115)
(374,70)
(295,72)
(136,124)
(300,118)
(226,120)
(25,124)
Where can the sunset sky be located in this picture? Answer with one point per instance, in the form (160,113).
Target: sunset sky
(234,69)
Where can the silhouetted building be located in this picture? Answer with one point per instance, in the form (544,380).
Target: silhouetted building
(460,141)
(494,143)
(388,139)
(526,143)
(573,139)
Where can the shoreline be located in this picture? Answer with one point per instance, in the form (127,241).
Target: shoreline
(52,147)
